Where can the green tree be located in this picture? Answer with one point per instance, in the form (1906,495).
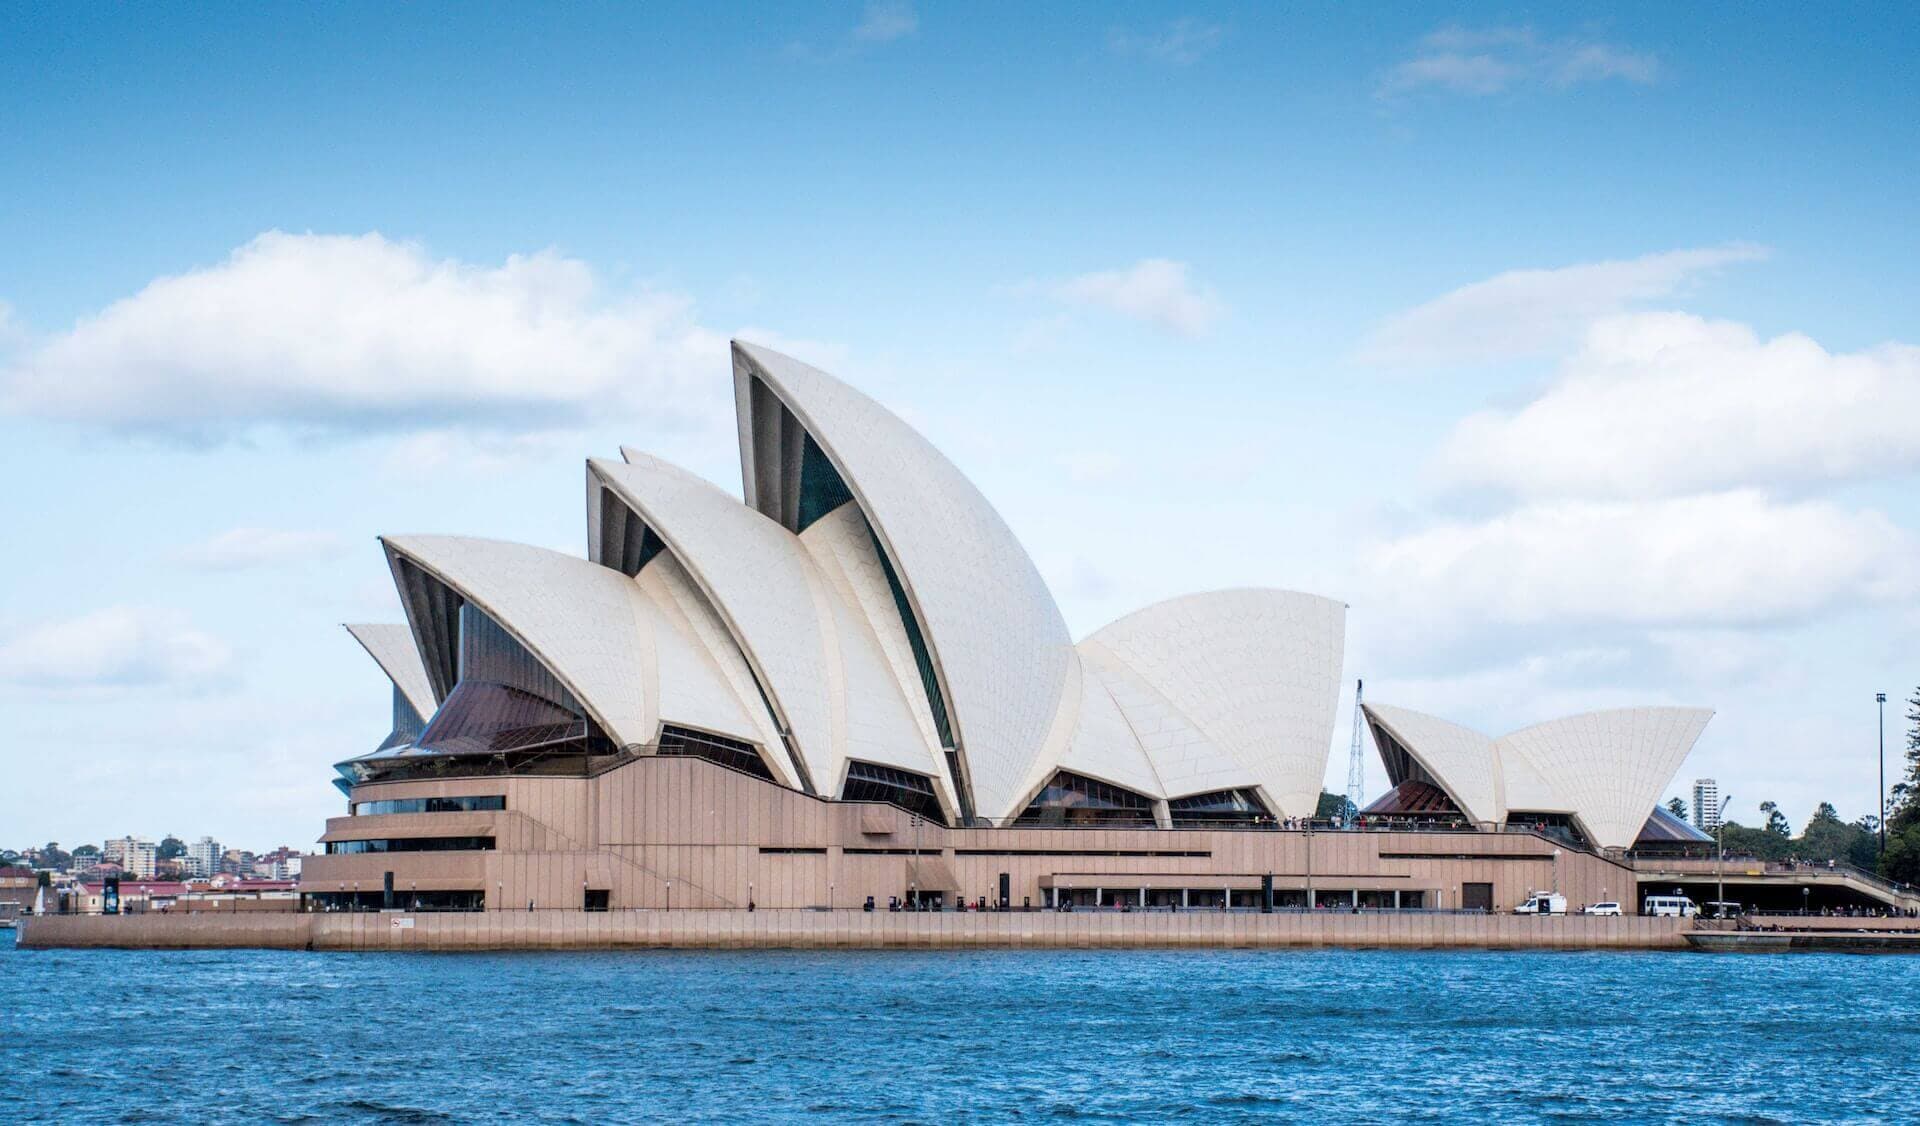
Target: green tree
(171,848)
(1826,837)
(1776,820)
(1333,806)
(53,856)
(1677,807)
(1901,861)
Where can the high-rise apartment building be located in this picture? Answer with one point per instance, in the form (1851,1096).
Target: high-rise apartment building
(1706,804)
(135,855)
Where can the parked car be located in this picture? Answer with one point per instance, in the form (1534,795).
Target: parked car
(1543,903)
(1601,909)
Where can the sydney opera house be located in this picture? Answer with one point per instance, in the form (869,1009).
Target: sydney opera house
(855,684)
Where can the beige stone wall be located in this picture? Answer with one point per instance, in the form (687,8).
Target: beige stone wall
(719,837)
(853,930)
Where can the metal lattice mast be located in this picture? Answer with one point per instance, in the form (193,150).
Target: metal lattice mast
(1356,764)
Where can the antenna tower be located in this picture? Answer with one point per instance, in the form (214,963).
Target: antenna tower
(1356,763)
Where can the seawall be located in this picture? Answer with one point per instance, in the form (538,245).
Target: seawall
(727,930)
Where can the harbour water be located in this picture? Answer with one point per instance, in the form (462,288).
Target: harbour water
(1442,1036)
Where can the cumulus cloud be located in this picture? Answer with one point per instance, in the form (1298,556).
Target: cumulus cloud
(1157,291)
(1667,403)
(1483,61)
(1183,42)
(1522,313)
(1728,558)
(330,333)
(241,548)
(117,647)
(883,21)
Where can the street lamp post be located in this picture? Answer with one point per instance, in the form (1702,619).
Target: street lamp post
(1880,698)
(1720,865)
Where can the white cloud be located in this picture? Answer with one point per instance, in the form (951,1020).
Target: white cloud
(118,646)
(1483,61)
(240,548)
(1730,558)
(1530,312)
(1158,291)
(332,333)
(1666,403)
(884,21)
(1183,42)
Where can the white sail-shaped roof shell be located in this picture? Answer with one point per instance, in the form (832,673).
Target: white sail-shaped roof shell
(883,714)
(392,648)
(1606,769)
(1460,760)
(808,642)
(759,580)
(634,657)
(1610,766)
(1256,673)
(999,646)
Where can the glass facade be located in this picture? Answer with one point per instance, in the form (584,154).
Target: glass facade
(411,844)
(1556,826)
(731,753)
(1070,800)
(912,792)
(821,488)
(466,804)
(1221,809)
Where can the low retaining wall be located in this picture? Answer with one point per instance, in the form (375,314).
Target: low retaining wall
(562,930)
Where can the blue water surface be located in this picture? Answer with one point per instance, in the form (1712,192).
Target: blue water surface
(1441,1036)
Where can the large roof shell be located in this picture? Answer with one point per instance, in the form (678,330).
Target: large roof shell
(998,644)
(633,658)
(760,582)
(392,648)
(1256,672)
(1610,766)
(1458,759)
(1606,769)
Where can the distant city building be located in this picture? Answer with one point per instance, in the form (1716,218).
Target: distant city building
(137,856)
(1706,804)
(203,856)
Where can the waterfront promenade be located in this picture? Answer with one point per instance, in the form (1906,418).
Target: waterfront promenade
(699,929)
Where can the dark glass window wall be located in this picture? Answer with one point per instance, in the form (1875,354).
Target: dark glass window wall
(466,804)
(1221,809)
(911,792)
(411,844)
(1070,801)
(732,753)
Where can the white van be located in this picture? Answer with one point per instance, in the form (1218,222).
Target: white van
(1607,908)
(1543,903)
(1671,905)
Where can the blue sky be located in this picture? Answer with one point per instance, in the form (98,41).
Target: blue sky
(1572,352)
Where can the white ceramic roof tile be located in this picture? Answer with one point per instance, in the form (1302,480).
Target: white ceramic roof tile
(703,677)
(759,579)
(1460,759)
(392,647)
(1103,744)
(886,717)
(996,636)
(1257,672)
(1180,755)
(1610,766)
